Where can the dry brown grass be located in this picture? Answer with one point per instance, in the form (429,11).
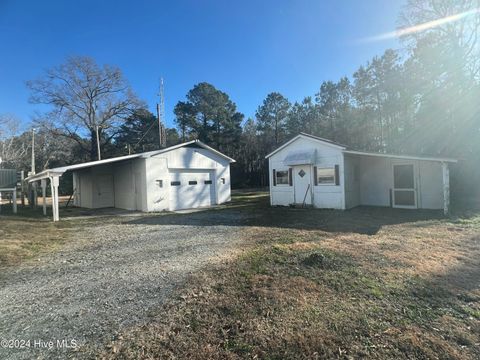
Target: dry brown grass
(372,283)
(22,238)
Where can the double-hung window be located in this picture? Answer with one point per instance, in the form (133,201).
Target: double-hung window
(282,177)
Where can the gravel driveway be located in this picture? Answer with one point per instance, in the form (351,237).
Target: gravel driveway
(113,274)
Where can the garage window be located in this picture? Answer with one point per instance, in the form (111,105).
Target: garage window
(192,182)
(208,182)
(175,183)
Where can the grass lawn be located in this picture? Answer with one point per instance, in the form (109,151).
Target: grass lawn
(364,283)
(28,234)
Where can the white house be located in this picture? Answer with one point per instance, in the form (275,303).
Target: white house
(311,171)
(183,176)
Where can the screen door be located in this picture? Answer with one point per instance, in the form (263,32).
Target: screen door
(404,189)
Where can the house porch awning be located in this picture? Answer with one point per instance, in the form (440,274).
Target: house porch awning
(301,157)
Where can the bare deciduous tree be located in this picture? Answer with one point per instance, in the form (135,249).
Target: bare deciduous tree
(85,99)
(12,149)
(458,37)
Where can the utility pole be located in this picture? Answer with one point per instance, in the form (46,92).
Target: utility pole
(33,151)
(33,193)
(161,117)
(98,143)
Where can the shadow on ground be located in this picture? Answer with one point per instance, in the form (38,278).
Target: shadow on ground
(253,209)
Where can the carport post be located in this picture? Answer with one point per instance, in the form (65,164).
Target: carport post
(35,195)
(43,184)
(14,199)
(54,181)
(446,187)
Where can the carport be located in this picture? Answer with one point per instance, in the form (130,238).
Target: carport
(52,176)
(183,176)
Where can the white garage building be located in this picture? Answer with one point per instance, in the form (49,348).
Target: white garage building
(311,171)
(183,176)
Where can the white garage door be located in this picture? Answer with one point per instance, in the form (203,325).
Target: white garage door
(191,189)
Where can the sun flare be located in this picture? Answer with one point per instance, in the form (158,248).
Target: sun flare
(421,27)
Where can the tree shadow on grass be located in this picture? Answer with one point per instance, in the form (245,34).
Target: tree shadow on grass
(252,209)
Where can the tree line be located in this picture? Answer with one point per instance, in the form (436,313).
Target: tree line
(420,99)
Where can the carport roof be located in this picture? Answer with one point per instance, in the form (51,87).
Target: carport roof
(406,157)
(60,170)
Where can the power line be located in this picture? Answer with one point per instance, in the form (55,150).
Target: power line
(145,134)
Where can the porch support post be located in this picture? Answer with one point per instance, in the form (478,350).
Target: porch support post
(43,184)
(14,199)
(446,187)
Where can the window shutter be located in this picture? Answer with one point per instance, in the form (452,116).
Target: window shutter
(315,177)
(274,178)
(337,175)
(290,177)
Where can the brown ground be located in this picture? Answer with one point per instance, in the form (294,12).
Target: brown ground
(371,283)
(24,237)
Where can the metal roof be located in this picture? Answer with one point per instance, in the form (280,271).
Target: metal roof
(301,157)
(343,148)
(397,156)
(323,139)
(62,169)
(316,138)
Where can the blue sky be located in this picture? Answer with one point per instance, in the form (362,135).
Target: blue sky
(245,48)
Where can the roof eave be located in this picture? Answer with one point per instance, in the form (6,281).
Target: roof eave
(61,170)
(407,157)
(304,136)
(205,146)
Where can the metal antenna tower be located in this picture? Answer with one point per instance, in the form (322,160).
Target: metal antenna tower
(161,117)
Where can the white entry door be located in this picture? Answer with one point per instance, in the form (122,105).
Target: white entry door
(404,186)
(191,189)
(105,194)
(302,182)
